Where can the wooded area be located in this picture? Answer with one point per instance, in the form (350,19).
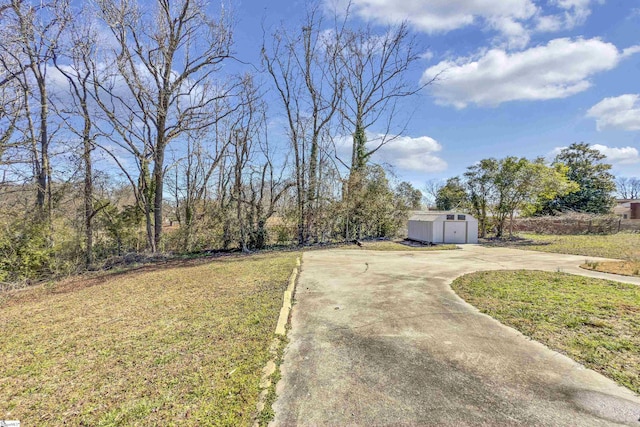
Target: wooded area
(122,129)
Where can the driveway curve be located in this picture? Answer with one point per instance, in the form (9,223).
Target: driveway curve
(379,338)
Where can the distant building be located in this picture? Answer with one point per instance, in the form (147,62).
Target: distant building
(627,208)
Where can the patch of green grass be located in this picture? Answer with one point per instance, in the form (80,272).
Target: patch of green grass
(593,321)
(388,245)
(618,246)
(158,346)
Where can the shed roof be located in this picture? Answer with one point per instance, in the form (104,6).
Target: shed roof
(426,217)
(431,216)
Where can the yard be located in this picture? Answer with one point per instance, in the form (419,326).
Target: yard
(620,246)
(595,322)
(624,246)
(182,344)
(392,245)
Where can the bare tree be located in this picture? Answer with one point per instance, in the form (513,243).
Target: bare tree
(77,66)
(255,188)
(628,188)
(431,189)
(373,68)
(204,156)
(167,62)
(242,133)
(266,186)
(10,99)
(302,65)
(26,56)
(11,111)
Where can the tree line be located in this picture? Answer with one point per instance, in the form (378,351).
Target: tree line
(118,119)
(496,190)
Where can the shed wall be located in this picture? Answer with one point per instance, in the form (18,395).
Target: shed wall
(421,231)
(438,232)
(472,231)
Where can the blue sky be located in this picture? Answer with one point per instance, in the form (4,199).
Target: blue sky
(518,77)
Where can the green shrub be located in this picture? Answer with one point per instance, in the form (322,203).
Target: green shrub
(25,250)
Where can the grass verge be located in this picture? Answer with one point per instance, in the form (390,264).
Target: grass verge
(595,322)
(268,414)
(388,245)
(158,346)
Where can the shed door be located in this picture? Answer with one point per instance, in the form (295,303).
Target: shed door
(455,232)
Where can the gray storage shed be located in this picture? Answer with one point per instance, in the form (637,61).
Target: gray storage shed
(442,227)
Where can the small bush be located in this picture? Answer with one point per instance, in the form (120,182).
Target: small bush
(25,250)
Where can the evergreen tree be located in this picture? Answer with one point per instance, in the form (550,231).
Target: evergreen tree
(584,166)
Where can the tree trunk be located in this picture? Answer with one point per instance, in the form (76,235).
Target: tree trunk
(158,178)
(88,201)
(511,226)
(43,173)
(359,150)
(188,226)
(149,226)
(145,194)
(238,195)
(313,187)
(300,194)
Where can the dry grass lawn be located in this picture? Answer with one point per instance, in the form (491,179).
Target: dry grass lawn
(626,268)
(593,321)
(388,245)
(183,344)
(623,246)
(618,246)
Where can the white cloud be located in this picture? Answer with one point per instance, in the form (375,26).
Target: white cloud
(419,154)
(558,69)
(620,112)
(514,32)
(549,23)
(427,55)
(617,155)
(575,12)
(412,154)
(568,15)
(441,15)
(630,51)
(622,155)
(514,20)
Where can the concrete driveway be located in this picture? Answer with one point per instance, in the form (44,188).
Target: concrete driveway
(379,338)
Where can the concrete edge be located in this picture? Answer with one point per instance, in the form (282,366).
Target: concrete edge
(281,330)
(281,327)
